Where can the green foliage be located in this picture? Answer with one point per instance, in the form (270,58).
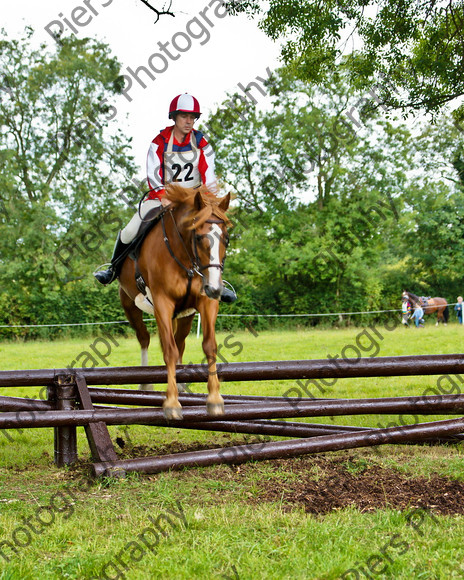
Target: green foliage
(418,47)
(61,168)
(336,213)
(338,208)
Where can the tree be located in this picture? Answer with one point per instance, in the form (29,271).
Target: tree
(61,168)
(414,51)
(267,158)
(291,253)
(434,231)
(337,211)
(306,144)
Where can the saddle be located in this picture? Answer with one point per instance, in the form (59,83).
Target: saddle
(133,251)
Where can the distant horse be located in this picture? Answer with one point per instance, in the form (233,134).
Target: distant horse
(431,305)
(181,262)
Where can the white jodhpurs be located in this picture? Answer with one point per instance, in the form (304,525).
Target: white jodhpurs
(130,231)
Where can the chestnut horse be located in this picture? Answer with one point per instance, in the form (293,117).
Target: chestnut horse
(431,305)
(181,261)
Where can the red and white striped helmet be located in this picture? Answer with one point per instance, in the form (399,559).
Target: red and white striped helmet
(184,104)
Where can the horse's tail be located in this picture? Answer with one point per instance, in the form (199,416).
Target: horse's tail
(446,313)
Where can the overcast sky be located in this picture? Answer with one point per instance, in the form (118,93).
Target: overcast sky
(208,53)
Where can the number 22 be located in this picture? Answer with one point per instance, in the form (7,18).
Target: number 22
(177,168)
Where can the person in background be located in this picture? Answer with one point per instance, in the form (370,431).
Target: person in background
(406,309)
(418,315)
(459,307)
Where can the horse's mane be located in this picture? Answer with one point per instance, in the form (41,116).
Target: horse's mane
(185,196)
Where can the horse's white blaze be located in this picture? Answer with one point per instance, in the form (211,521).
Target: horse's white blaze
(214,276)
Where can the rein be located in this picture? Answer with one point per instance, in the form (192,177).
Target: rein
(194,269)
(196,266)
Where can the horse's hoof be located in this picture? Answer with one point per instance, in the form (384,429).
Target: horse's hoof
(172,413)
(146,387)
(181,387)
(215,408)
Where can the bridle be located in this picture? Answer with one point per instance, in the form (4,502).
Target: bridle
(198,237)
(195,266)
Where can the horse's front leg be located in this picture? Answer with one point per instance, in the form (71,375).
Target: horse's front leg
(171,406)
(181,327)
(214,401)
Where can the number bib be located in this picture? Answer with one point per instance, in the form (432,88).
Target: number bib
(181,167)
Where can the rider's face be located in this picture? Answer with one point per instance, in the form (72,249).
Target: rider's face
(184,123)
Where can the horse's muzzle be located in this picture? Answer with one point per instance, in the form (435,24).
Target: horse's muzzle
(213,292)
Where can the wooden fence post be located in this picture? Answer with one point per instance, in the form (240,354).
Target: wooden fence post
(63,394)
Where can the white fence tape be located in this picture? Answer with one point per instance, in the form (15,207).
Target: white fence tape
(226,315)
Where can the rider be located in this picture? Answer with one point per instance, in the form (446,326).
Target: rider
(179,154)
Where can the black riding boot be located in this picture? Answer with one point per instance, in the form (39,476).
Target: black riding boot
(228,295)
(105,277)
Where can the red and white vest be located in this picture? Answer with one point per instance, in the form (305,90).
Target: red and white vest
(190,163)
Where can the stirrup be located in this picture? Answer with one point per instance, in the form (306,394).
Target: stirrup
(105,266)
(106,276)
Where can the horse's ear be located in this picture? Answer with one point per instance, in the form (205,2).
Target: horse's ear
(199,202)
(224,203)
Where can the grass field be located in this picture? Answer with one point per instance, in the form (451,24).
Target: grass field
(234,522)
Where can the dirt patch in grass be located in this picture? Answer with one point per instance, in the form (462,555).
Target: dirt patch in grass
(344,482)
